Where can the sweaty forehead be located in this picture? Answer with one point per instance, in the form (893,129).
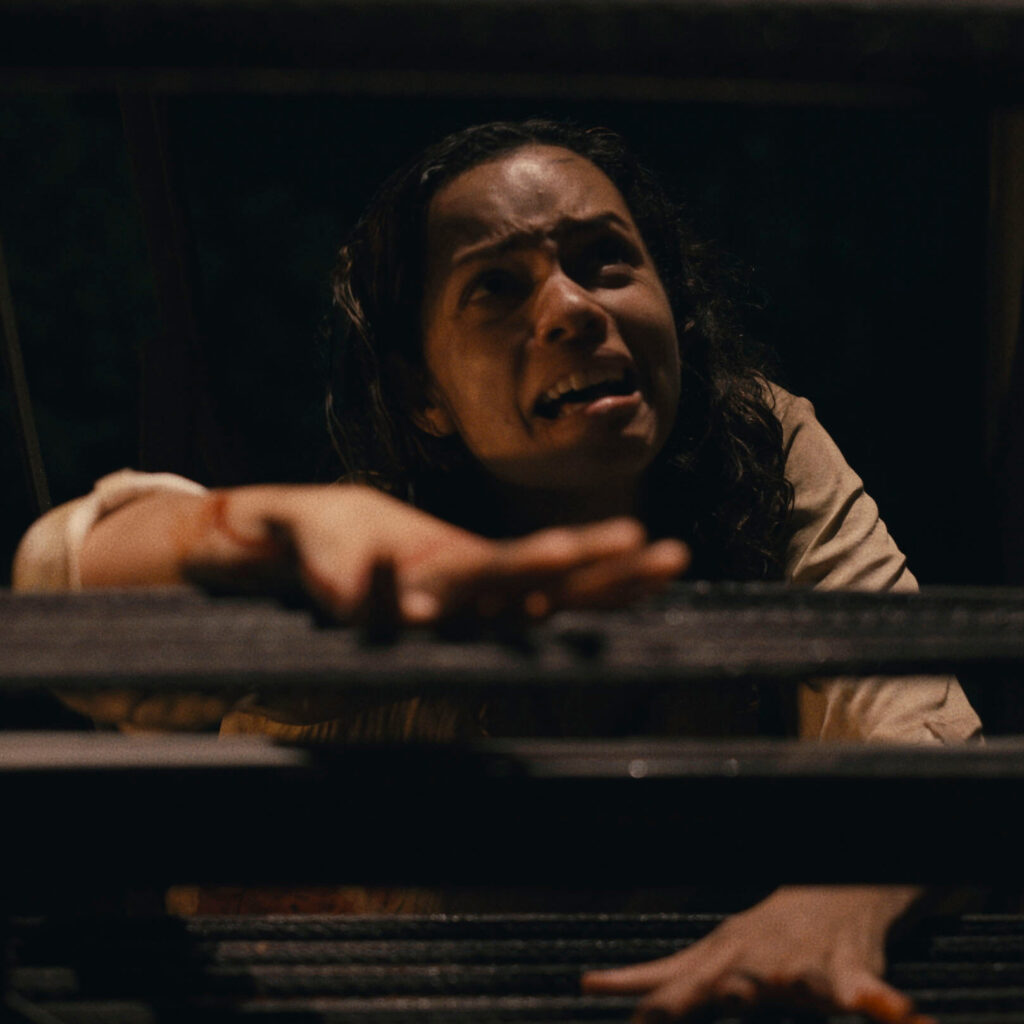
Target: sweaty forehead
(527,191)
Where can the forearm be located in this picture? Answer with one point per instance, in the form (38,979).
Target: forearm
(165,538)
(122,534)
(146,539)
(144,543)
(322,540)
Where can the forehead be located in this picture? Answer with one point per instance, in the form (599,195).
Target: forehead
(528,190)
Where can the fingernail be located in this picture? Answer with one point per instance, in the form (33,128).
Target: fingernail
(419,607)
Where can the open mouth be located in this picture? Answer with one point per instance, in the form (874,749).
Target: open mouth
(580,389)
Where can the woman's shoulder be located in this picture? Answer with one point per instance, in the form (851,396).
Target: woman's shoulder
(836,535)
(813,459)
(792,411)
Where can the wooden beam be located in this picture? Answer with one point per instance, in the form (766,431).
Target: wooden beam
(24,418)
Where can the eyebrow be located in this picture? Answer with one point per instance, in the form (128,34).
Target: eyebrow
(567,227)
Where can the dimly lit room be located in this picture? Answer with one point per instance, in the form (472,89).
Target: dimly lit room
(514,511)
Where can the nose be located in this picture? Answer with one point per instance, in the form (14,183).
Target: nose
(565,311)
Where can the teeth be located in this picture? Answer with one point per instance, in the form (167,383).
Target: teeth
(579,381)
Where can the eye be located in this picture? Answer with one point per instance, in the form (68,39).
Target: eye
(607,262)
(495,286)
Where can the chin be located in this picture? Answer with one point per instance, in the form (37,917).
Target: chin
(582,460)
(594,467)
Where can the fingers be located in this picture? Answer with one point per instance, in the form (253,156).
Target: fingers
(678,985)
(368,559)
(604,565)
(677,988)
(562,548)
(633,979)
(685,996)
(698,979)
(878,1001)
(614,582)
(379,614)
(334,543)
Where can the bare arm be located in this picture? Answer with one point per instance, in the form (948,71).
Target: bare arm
(144,542)
(333,542)
(330,541)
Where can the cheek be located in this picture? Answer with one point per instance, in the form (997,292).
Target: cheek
(666,367)
(476,390)
(487,405)
(661,343)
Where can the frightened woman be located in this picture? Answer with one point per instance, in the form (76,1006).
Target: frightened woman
(540,401)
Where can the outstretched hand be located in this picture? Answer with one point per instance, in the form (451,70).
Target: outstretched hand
(362,554)
(805,948)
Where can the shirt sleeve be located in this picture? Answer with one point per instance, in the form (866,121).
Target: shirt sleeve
(837,540)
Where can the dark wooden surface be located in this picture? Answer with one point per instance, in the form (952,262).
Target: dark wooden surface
(151,811)
(477,969)
(160,640)
(965,48)
(160,809)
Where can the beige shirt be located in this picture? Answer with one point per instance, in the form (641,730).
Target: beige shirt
(837,541)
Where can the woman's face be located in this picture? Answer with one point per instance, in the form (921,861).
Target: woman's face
(548,337)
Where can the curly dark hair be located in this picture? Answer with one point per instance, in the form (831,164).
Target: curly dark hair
(718,483)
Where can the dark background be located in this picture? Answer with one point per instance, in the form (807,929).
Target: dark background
(861,233)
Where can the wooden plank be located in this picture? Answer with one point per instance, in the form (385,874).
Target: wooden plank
(165,641)
(512,813)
